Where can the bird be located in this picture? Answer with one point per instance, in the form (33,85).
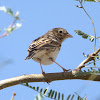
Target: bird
(45,48)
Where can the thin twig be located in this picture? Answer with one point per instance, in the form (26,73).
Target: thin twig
(92,62)
(9,27)
(97,37)
(92,23)
(14,94)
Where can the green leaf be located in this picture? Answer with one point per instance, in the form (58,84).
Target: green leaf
(59,96)
(68,97)
(16,15)
(41,90)
(85,36)
(84,70)
(84,54)
(79,32)
(62,96)
(3,8)
(36,98)
(91,38)
(9,30)
(72,97)
(40,97)
(79,98)
(94,64)
(18,25)
(49,93)
(9,11)
(55,95)
(52,94)
(98,57)
(27,84)
(37,88)
(85,97)
(30,86)
(79,6)
(87,55)
(34,88)
(45,91)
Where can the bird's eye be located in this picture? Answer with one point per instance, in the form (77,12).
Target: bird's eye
(60,31)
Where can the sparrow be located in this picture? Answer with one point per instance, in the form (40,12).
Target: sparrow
(45,49)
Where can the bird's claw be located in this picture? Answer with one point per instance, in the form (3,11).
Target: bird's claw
(43,73)
(65,70)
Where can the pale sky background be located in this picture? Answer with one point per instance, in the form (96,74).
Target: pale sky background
(40,16)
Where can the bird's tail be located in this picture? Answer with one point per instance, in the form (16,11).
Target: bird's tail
(30,56)
(27,58)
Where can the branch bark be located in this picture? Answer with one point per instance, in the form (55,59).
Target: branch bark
(82,64)
(49,77)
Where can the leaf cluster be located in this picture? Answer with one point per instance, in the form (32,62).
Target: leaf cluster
(88,0)
(84,35)
(11,27)
(52,94)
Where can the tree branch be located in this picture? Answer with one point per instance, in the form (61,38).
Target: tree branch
(82,64)
(49,77)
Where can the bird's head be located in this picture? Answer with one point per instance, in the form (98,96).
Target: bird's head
(61,34)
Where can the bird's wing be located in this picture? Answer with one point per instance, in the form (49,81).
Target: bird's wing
(41,44)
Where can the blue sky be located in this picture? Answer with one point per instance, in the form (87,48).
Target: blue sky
(39,17)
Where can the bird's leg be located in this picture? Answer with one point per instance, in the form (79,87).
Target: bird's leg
(65,70)
(41,67)
(43,72)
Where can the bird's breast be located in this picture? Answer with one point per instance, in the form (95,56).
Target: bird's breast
(44,56)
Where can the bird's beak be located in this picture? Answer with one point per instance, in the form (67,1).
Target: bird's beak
(68,36)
